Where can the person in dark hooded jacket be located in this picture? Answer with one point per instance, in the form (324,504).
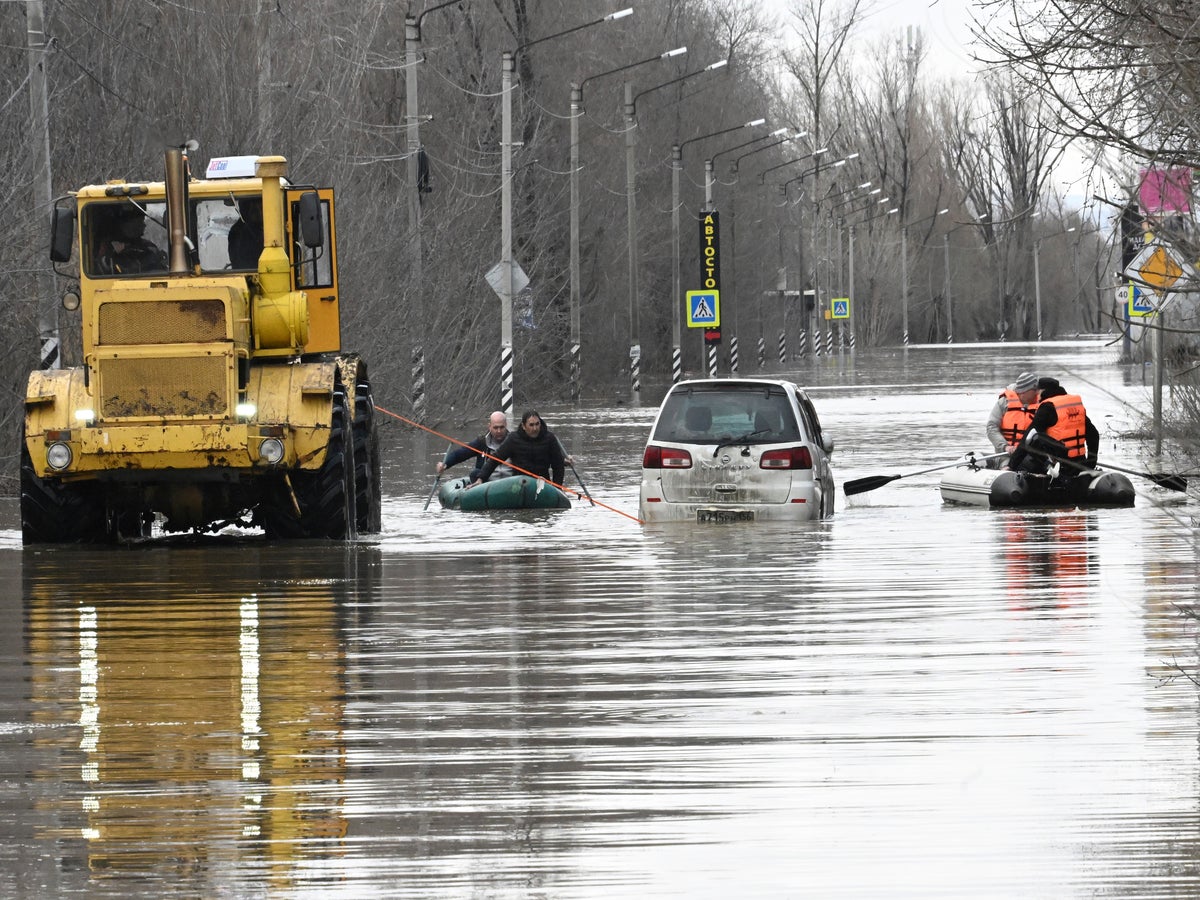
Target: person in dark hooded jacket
(532,447)
(1060,428)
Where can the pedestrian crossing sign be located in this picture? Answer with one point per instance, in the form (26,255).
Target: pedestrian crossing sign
(703,309)
(1139,300)
(841,308)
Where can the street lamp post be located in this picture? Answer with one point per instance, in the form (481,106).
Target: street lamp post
(946,290)
(507,65)
(904,268)
(412,41)
(676,357)
(850,261)
(676,167)
(576,303)
(730,304)
(1037,278)
(813,328)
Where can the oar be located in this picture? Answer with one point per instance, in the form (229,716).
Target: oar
(566,459)
(862,485)
(1170,482)
(433,490)
(436,478)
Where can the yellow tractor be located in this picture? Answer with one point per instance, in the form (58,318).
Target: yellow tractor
(214,392)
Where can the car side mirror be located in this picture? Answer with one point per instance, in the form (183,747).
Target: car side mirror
(827,443)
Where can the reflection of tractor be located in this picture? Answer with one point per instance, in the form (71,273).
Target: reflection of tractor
(213,389)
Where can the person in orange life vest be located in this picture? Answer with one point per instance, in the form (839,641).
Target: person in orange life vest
(1011,415)
(1061,428)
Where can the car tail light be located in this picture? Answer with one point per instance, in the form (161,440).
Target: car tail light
(666,458)
(789,458)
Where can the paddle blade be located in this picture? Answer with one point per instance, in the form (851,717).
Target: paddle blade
(862,485)
(1170,482)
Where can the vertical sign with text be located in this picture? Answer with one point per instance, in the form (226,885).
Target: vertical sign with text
(710,262)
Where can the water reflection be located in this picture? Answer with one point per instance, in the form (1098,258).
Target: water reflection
(193,720)
(1048,557)
(911,699)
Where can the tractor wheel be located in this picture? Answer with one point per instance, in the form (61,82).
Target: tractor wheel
(366,461)
(53,513)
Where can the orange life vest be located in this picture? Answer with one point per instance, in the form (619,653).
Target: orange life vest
(1015,421)
(1071,427)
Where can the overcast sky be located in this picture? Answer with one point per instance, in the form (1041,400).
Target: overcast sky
(946,25)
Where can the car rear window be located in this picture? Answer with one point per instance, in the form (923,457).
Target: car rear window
(758,413)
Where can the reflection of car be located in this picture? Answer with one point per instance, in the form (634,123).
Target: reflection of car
(736,449)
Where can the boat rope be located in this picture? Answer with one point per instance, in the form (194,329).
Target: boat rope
(561,487)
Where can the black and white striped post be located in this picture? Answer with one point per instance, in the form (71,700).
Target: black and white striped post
(762,353)
(783,348)
(418,383)
(733,355)
(574,371)
(712,360)
(506,379)
(676,365)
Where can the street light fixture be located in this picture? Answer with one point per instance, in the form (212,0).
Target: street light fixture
(508,63)
(676,167)
(762,176)
(782,140)
(710,163)
(412,41)
(576,114)
(1037,278)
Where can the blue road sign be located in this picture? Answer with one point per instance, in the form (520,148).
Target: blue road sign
(841,308)
(703,309)
(1141,301)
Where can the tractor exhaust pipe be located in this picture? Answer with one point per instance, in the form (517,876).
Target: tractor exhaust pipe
(176,182)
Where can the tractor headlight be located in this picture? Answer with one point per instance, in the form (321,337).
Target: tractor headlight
(58,456)
(271,451)
(245,410)
(87,416)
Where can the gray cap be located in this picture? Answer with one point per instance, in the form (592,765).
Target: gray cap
(1026,381)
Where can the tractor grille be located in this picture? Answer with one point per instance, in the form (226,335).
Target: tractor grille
(162,322)
(169,387)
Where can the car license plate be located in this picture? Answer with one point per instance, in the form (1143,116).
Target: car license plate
(719,515)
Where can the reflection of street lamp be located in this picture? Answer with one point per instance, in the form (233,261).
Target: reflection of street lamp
(904,267)
(676,358)
(676,167)
(412,40)
(507,63)
(1037,278)
(576,112)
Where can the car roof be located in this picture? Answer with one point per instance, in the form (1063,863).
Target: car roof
(716,383)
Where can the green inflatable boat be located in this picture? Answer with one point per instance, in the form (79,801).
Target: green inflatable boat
(514,492)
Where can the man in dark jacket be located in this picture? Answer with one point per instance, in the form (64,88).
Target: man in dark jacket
(532,447)
(488,442)
(1048,434)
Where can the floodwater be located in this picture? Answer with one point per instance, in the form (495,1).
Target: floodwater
(907,700)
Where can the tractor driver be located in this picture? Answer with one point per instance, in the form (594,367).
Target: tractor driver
(126,250)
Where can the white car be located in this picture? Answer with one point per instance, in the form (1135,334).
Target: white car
(736,450)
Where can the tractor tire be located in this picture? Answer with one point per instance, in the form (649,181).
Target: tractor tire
(57,514)
(367,492)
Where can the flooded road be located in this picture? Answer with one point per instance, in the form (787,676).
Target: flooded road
(908,700)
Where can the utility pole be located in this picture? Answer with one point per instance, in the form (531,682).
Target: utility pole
(412,38)
(43,197)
